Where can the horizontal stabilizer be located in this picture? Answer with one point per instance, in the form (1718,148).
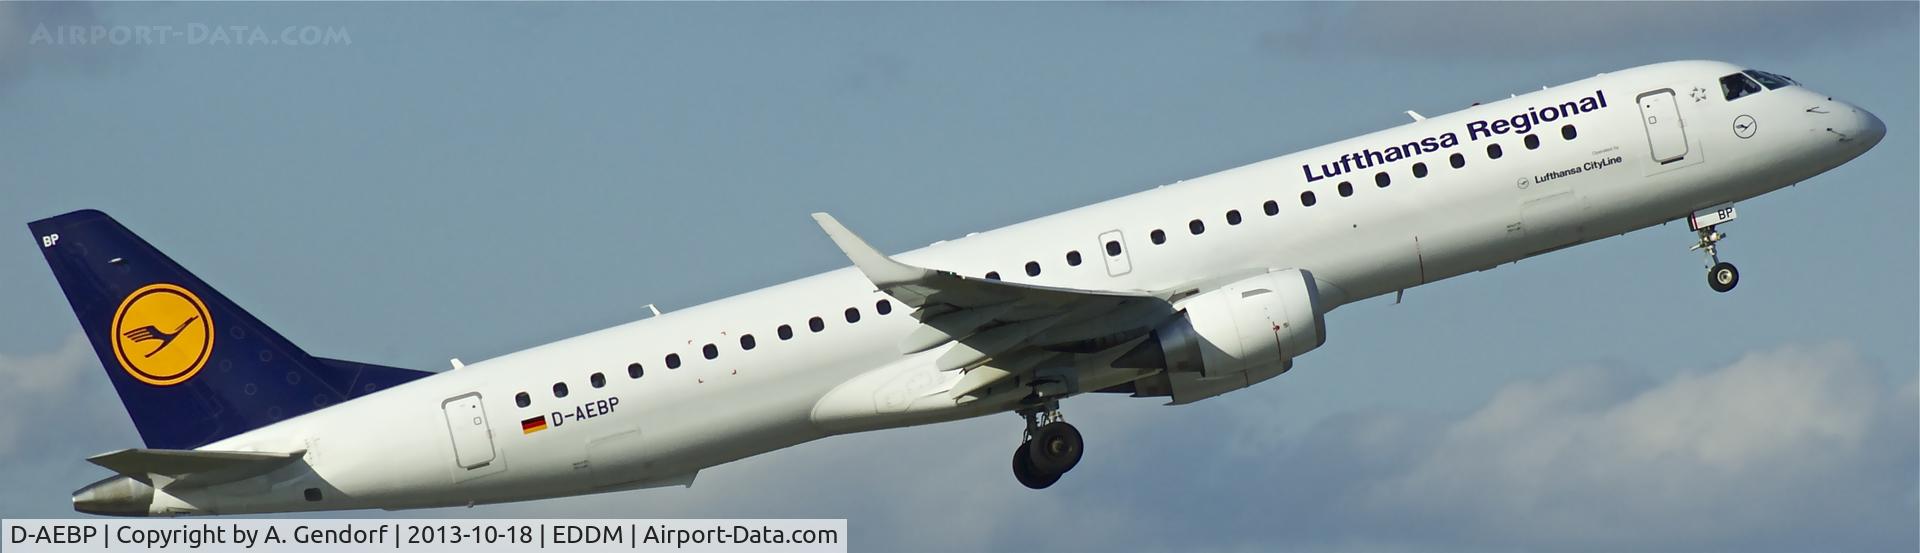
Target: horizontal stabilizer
(178,468)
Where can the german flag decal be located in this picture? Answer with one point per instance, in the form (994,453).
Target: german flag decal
(532,425)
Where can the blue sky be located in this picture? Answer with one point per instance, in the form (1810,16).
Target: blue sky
(467,180)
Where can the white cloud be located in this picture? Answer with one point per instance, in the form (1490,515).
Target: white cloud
(56,408)
(1798,448)
(1770,446)
(36,382)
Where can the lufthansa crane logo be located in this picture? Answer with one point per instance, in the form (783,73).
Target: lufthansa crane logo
(162,334)
(1744,126)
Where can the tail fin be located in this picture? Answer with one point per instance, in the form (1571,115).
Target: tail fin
(191,367)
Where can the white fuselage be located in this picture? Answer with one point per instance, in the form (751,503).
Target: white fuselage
(397,448)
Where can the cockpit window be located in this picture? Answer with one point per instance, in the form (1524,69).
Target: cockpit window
(1738,85)
(1772,81)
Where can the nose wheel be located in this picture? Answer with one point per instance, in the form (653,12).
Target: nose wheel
(1048,449)
(1721,276)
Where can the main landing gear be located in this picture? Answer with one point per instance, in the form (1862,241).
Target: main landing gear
(1721,276)
(1048,449)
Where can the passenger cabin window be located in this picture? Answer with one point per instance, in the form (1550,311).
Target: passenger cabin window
(1493,151)
(1233,216)
(1381,179)
(746,342)
(1457,160)
(1346,189)
(1771,80)
(1533,142)
(1073,260)
(884,307)
(1568,132)
(1113,247)
(709,351)
(853,314)
(635,371)
(1306,199)
(816,325)
(1420,170)
(1157,236)
(991,275)
(559,389)
(1196,227)
(1271,207)
(785,332)
(1738,85)
(598,380)
(673,360)
(1033,268)
(522,399)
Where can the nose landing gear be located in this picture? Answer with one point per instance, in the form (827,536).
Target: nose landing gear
(1721,276)
(1048,448)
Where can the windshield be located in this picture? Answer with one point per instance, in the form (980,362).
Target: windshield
(1738,85)
(1772,80)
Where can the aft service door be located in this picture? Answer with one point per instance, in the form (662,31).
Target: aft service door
(1666,133)
(1113,247)
(467,423)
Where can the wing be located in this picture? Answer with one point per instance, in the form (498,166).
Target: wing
(1011,326)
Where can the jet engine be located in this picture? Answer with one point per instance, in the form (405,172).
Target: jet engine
(1232,337)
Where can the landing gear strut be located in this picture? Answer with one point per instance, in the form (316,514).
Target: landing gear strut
(1721,276)
(1048,448)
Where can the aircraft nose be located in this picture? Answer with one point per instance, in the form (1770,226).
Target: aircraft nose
(1871,128)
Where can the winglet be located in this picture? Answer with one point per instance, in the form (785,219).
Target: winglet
(882,270)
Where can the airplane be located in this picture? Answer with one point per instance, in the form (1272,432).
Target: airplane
(1185,292)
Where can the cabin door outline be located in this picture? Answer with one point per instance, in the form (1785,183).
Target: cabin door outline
(467,426)
(1666,131)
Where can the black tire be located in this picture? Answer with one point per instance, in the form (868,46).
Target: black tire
(1024,472)
(1723,277)
(1056,448)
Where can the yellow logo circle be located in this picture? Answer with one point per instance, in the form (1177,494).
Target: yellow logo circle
(162,334)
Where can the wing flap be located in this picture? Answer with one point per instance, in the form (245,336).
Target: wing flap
(982,346)
(937,330)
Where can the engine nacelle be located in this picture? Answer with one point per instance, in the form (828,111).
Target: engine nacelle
(1256,322)
(1232,337)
